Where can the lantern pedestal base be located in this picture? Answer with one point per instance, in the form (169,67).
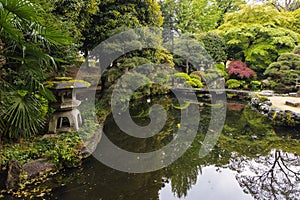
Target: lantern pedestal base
(65,121)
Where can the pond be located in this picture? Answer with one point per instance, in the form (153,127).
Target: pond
(251,160)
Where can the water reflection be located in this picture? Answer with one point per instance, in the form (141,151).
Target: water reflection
(212,183)
(249,162)
(276,176)
(100,182)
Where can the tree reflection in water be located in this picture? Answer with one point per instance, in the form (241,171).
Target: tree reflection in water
(267,165)
(275,176)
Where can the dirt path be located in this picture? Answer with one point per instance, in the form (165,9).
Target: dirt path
(279,102)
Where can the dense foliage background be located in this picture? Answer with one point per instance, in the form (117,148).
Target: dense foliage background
(41,39)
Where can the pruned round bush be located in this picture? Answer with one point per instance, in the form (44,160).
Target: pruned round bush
(180,75)
(193,79)
(196,83)
(233,84)
(286,70)
(195,76)
(255,85)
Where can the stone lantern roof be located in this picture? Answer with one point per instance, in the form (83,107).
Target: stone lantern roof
(66,83)
(63,88)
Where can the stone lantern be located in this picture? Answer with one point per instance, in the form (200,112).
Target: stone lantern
(66,117)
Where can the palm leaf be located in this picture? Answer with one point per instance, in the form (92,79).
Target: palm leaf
(20,8)
(22,116)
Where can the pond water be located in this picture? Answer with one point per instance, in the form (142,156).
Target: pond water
(251,160)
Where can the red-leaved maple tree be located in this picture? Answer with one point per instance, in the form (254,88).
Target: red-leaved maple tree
(239,69)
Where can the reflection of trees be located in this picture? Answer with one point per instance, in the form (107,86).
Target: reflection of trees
(183,173)
(97,181)
(263,172)
(183,178)
(276,176)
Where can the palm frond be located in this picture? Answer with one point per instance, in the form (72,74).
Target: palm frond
(22,115)
(22,9)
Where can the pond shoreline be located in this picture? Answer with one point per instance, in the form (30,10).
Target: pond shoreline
(275,107)
(15,176)
(33,173)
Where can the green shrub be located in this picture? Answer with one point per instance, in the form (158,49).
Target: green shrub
(211,74)
(193,79)
(260,98)
(196,79)
(221,69)
(161,78)
(285,70)
(189,84)
(194,76)
(182,76)
(296,50)
(61,150)
(233,84)
(196,82)
(255,85)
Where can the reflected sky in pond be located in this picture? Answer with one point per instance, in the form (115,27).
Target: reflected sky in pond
(213,183)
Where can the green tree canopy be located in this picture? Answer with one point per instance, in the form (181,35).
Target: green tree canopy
(284,5)
(112,15)
(226,6)
(189,53)
(186,16)
(215,45)
(76,14)
(196,16)
(258,35)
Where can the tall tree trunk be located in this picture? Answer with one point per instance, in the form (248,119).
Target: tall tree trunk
(0,84)
(86,56)
(187,66)
(2,62)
